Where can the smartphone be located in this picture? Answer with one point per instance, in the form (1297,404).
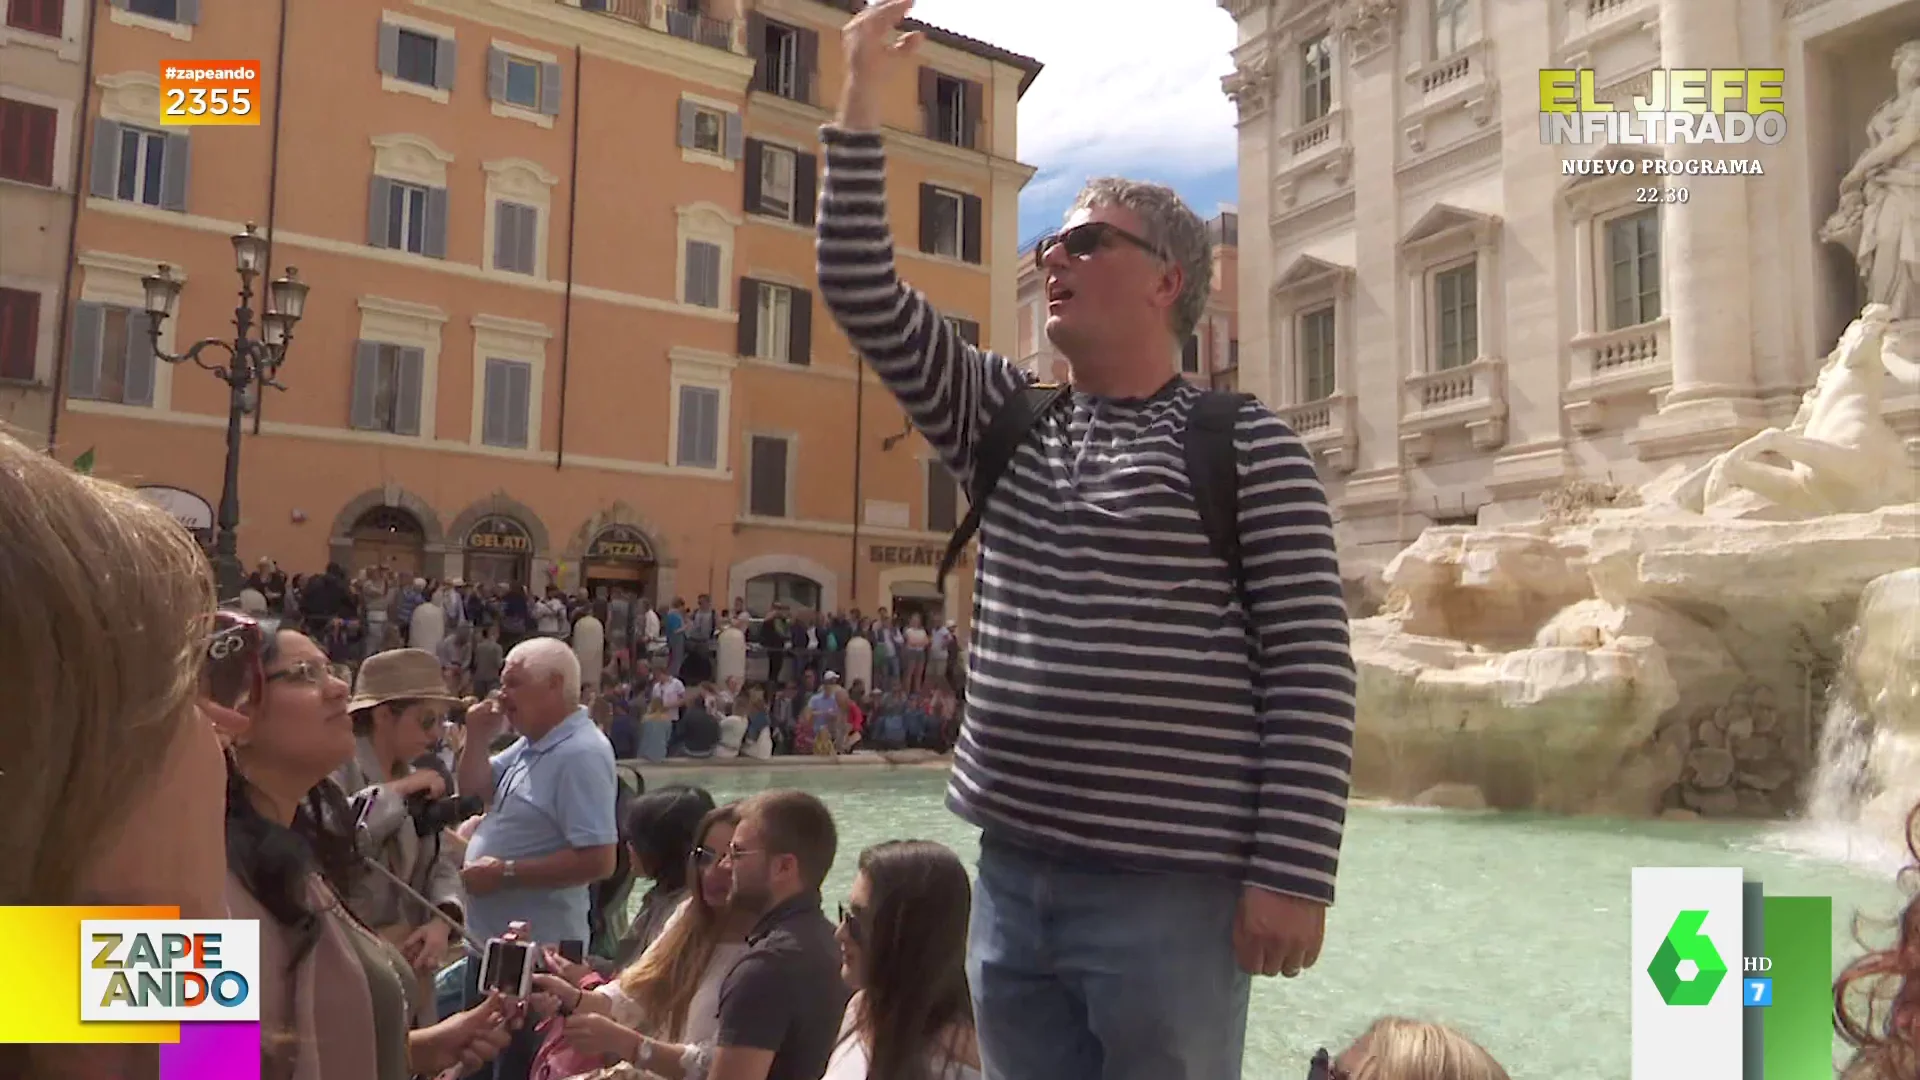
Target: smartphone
(573,951)
(507,967)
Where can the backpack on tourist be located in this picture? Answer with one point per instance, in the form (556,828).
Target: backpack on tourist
(1213,468)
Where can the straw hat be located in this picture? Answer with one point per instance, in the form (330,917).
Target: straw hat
(400,675)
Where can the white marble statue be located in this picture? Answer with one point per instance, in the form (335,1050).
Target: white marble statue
(1878,219)
(1838,456)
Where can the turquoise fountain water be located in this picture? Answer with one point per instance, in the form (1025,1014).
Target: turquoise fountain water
(1510,927)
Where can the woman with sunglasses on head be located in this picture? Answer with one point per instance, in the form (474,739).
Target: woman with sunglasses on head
(670,997)
(112,776)
(335,997)
(903,946)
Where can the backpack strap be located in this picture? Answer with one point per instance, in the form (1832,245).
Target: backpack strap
(1213,471)
(1011,422)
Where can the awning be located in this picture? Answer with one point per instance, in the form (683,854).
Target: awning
(915,590)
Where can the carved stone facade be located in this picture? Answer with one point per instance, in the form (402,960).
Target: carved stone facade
(1487,348)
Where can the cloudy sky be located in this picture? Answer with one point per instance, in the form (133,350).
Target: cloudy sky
(1131,88)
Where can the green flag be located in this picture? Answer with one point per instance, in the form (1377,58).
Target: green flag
(84,463)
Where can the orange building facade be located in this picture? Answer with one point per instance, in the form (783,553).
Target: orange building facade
(562,324)
(1211,354)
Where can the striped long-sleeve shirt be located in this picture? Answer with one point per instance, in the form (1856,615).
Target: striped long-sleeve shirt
(1121,706)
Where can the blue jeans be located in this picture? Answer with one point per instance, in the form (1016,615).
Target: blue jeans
(1091,974)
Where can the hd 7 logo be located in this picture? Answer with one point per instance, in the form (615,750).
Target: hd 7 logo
(1687,969)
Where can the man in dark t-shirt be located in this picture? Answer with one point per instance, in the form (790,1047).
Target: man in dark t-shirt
(782,1003)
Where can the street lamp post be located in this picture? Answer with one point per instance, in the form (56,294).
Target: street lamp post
(254,355)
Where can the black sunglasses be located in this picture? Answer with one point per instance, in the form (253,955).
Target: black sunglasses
(1323,1068)
(1088,237)
(850,919)
(704,857)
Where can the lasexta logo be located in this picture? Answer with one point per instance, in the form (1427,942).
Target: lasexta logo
(1685,943)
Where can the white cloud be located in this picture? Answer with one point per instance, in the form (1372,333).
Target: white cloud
(1126,82)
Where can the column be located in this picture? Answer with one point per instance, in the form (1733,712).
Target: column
(1374,127)
(1259,359)
(1706,254)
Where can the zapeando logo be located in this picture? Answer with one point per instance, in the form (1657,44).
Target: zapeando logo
(1685,943)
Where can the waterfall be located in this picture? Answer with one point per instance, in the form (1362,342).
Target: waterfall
(1840,784)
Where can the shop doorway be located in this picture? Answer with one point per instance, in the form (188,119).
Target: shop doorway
(389,537)
(499,551)
(797,592)
(920,598)
(620,557)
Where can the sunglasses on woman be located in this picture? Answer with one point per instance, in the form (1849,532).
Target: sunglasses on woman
(1088,237)
(705,857)
(850,921)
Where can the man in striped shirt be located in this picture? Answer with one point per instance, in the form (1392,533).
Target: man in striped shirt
(1160,771)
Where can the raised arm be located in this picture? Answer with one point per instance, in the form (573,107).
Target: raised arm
(946,386)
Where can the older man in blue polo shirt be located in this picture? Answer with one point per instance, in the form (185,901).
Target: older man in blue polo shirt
(549,830)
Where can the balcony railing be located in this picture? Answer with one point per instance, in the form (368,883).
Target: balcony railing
(1590,20)
(1442,78)
(662,16)
(790,83)
(1329,429)
(1616,364)
(1473,396)
(1310,139)
(704,29)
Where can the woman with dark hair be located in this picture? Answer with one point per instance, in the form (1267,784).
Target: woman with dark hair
(903,945)
(663,827)
(334,1002)
(1876,1000)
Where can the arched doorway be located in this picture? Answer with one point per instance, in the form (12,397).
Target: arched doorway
(922,598)
(619,557)
(794,590)
(499,551)
(391,537)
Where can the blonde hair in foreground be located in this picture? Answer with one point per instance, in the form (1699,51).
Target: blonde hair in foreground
(105,602)
(1395,1048)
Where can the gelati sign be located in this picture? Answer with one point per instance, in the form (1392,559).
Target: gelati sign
(912,555)
(623,542)
(499,534)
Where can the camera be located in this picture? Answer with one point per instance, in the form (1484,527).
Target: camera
(432,815)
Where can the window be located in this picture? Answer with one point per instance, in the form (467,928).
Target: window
(156,9)
(1233,353)
(408,217)
(702,286)
(943,498)
(418,57)
(968,330)
(776,181)
(26,142)
(947,225)
(699,442)
(779,71)
(767,479)
(1317,355)
(776,322)
(952,108)
(709,130)
(386,388)
(1451,26)
(508,403)
(522,82)
(112,355)
(37,16)
(1633,268)
(1316,79)
(19,333)
(1456,301)
(1190,355)
(775,338)
(798,593)
(516,237)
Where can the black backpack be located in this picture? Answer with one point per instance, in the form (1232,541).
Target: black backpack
(1212,468)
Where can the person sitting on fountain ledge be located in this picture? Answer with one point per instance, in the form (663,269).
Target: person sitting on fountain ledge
(1876,1000)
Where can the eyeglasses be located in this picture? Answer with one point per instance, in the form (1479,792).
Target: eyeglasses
(1088,237)
(303,673)
(1323,1067)
(850,920)
(735,854)
(234,655)
(705,857)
